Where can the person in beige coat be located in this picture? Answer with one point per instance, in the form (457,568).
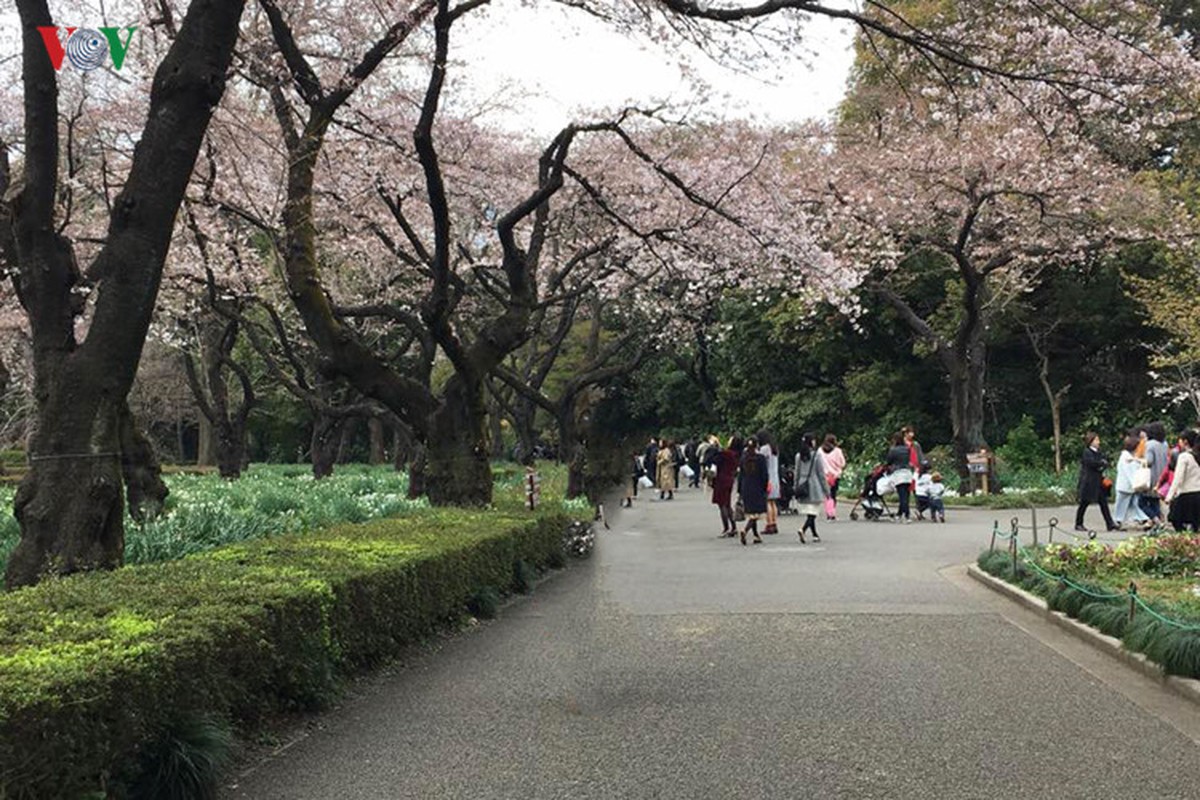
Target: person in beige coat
(666,471)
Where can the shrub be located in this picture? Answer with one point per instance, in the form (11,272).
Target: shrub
(94,668)
(524,576)
(185,762)
(1024,449)
(486,603)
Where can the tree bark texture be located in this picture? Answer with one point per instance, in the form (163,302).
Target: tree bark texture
(144,487)
(378,449)
(458,471)
(324,445)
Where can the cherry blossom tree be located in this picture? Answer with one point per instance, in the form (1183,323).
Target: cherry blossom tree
(69,505)
(988,201)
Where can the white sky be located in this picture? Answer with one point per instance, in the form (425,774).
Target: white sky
(551,66)
(568,62)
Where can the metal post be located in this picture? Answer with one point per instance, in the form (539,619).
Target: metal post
(1132,600)
(1033,510)
(995,530)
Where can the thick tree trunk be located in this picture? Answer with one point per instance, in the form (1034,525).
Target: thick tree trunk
(326,436)
(378,454)
(231,450)
(70,504)
(206,444)
(496,428)
(401,447)
(523,422)
(571,450)
(416,472)
(346,440)
(144,487)
(967,380)
(458,470)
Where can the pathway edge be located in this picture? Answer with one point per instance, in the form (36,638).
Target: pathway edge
(1187,688)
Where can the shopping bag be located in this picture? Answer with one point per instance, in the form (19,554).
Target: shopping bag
(687,472)
(1140,481)
(645,482)
(830,507)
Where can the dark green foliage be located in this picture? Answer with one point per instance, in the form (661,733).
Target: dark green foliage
(1025,448)
(185,762)
(485,604)
(1175,649)
(94,667)
(1107,616)
(524,576)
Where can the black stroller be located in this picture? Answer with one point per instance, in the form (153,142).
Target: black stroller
(787,492)
(873,505)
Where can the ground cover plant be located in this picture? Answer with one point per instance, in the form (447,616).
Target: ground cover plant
(203,511)
(1144,590)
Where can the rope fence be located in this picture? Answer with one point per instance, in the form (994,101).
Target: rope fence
(1023,556)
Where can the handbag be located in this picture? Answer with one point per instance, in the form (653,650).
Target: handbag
(645,482)
(1140,481)
(739,511)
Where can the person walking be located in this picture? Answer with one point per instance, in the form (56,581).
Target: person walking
(900,472)
(1184,496)
(637,473)
(666,471)
(691,453)
(1091,482)
(812,486)
(770,452)
(1156,459)
(726,463)
(833,462)
(650,460)
(752,486)
(1127,511)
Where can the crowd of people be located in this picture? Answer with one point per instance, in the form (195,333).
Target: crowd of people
(766,485)
(1149,474)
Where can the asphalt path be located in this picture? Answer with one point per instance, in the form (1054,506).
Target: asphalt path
(674,664)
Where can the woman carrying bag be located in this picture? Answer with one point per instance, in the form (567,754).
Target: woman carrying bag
(812,488)
(1091,482)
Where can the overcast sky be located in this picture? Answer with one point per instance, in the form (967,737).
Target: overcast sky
(551,65)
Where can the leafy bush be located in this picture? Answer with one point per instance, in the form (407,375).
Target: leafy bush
(486,603)
(185,762)
(1024,449)
(94,668)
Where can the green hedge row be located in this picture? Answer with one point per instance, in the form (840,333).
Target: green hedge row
(95,668)
(1175,649)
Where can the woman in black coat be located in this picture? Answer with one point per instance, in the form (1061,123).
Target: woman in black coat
(752,486)
(1091,482)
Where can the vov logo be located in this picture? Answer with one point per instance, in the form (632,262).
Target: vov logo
(86,48)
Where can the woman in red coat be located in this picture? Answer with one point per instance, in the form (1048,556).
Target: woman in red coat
(726,461)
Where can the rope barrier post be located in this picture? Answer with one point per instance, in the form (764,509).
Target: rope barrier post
(1033,511)
(1012,543)
(995,530)
(1050,533)
(1132,600)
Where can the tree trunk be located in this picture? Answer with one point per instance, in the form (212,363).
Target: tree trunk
(523,423)
(416,472)
(231,450)
(144,487)
(206,444)
(346,440)
(570,449)
(967,380)
(378,454)
(326,437)
(458,470)
(495,423)
(69,505)
(401,447)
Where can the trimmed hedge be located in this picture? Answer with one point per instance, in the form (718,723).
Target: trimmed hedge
(1176,650)
(95,668)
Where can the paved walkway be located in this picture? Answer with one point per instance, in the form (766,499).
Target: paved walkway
(677,665)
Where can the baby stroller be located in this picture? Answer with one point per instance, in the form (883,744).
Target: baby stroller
(787,492)
(873,505)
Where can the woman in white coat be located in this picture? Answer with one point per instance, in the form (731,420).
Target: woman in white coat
(768,449)
(1128,511)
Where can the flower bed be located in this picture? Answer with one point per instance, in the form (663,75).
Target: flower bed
(96,669)
(203,511)
(1155,578)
